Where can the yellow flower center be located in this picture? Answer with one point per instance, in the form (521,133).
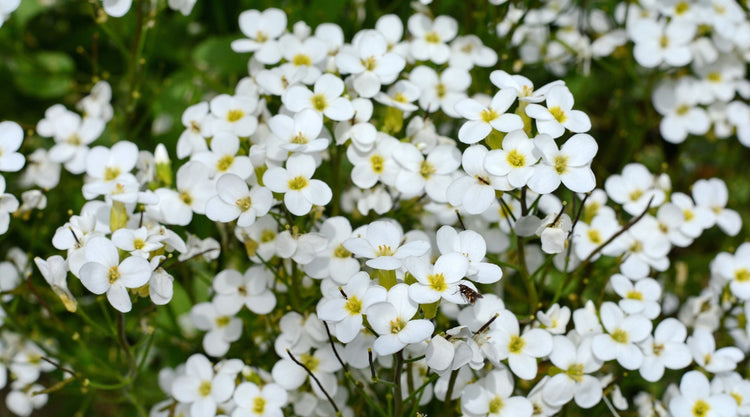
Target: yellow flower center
(319,102)
(432,37)
(558,114)
(516,344)
(401,98)
(205,388)
(681,8)
(658,348)
(186,198)
(636,247)
(222,321)
(440,90)
(635,195)
(114,274)
(234,115)
(353,305)
(378,163)
(300,139)
(110,173)
(488,115)
(496,404)
(298,183)
(437,282)
(688,214)
(73,139)
(259,404)
(260,37)
(620,336)
(341,252)
(575,372)
(244,203)
(664,41)
(714,77)
(224,163)
(594,236)
(635,295)
(397,325)
(384,250)
(561,164)
(683,109)
(426,170)
(301,59)
(138,244)
(516,159)
(701,408)
(310,361)
(369,63)
(267,235)
(742,275)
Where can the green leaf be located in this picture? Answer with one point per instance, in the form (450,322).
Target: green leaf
(44,74)
(216,55)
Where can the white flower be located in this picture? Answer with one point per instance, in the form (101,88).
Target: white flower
(623,334)
(657,42)
(392,320)
(262,29)
(682,115)
(116,8)
(193,138)
(55,271)
(574,382)
(482,120)
(570,164)
(523,86)
(516,159)
(233,290)
(201,387)
(559,114)
(382,245)
(712,194)
(325,99)
(335,260)
(666,349)
(236,201)
(443,91)
(475,191)
(471,245)
(344,308)
(300,134)
(641,297)
(432,174)
(437,281)
(703,348)
(634,189)
(221,329)
(11,136)
(491,396)
(103,272)
(430,37)
(253,401)
(234,114)
(370,61)
(300,191)
(696,398)
(521,349)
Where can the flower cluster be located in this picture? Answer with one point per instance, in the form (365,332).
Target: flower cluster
(709,39)
(389,233)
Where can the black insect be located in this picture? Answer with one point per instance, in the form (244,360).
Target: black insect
(469,294)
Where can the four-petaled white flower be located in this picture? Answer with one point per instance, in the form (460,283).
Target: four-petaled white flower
(295,181)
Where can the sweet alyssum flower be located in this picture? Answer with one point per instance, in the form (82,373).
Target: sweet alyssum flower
(623,334)
(201,387)
(482,120)
(575,362)
(251,289)
(559,114)
(492,396)
(440,280)
(295,181)
(235,200)
(383,247)
(262,29)
(325,99)
(11,137)
(222,329)
(370,62)
(696,398)
(103,272)
(570,164)
(392,320)
(346,305)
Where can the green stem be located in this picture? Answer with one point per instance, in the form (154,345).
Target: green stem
(451,385)
(398,402)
